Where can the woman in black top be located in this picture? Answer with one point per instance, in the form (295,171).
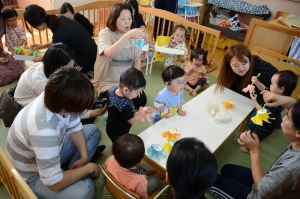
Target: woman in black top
(67,10)
(65,31)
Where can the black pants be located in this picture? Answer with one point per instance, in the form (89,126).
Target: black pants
(167,5)
(138,102)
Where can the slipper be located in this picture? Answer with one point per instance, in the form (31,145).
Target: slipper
(97,154)
(244,149)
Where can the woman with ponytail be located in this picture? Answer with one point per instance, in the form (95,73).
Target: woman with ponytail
(65,31)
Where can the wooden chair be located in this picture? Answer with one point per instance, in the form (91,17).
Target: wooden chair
(119,191)
(15,185)
(210,37)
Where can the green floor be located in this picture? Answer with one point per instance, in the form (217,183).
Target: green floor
(227,153)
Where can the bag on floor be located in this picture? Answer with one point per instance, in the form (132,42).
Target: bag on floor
(9,108)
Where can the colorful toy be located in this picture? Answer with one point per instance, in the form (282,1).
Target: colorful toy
(250,87)
(168,146)
(218,112)
(171,134)
(139,42)
(147,116)
(25,50)
(261,115)
(155,150)
(228,104)
(167,112)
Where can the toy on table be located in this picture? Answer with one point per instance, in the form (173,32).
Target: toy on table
(167,112)
(171,134)
(168,146)
(261,115)
(147,116)
(250,87)
(25,53)
(228,104)
(155,150)
(218,111)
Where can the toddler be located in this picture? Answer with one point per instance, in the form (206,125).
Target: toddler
(195,72)
(169,99)
(282,83)
(120,104)
(14,32)
(177,41)
(128,151)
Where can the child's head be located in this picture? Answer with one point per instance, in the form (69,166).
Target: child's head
(179,33)
(128,150)
(132,83)
(283,82)
(290,123)
(10,16)
(173,77)
(199,57)
(191,168)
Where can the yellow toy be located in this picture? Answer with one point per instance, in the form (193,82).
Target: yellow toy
(168,146)
(261,115)
(171,134)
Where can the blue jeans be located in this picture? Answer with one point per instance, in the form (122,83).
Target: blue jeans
(84,188)
(234,182)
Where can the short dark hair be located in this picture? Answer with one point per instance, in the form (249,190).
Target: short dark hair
(180,27)
(114,14)
(197,52)
(294,113)
(36,15)
(135,6)
(192,168)
(66,7)
(69,90)
(288,80)
(128,150)
(1,5)
(133,79)
(9,13)
(172,72)
(58,55)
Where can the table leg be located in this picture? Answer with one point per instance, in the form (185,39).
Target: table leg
(244,123)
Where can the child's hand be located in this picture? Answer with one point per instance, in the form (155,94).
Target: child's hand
(254,79)
(159,106)
(182,61)
(148,110)
(95,82)
(253,96)
(20,42)
(181,112)
(3,60)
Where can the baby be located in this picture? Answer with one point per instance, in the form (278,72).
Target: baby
(177,41)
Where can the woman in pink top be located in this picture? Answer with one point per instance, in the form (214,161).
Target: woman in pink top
(195,72)
(128,151)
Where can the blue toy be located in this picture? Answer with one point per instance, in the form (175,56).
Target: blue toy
(139,42)
(156,150)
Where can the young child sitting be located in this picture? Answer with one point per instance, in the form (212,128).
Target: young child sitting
(177,41)
(14,33)
(282,83)
(195,72)
(128,151)
(120,104)
(169,99)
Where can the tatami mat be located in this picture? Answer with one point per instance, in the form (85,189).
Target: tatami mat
(227,153)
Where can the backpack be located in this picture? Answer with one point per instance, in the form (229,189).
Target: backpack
(9,108)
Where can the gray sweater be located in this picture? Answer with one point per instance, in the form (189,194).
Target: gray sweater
(282,181)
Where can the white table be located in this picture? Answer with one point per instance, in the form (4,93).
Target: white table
(198,122)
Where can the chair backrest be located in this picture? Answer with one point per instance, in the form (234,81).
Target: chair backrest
(200,36)
(160,41)
(281,63)
(15,185)
(116,188)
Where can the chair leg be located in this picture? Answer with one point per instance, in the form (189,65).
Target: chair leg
(151,64)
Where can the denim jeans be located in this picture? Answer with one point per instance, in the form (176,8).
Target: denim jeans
(84,188)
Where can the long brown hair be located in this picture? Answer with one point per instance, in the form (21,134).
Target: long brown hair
(226,76)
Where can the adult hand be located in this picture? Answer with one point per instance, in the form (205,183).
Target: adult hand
(95,171)
(272,99)
(136,33)
(38,58)
(3,60)
(36,46)
(95,82)
(250,141)
(79,163)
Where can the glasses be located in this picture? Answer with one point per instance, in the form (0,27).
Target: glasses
(181,83)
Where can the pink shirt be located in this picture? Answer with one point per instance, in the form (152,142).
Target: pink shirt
(193,74)
(13,36)
(135,182)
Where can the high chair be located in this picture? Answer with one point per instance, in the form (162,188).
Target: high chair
(13,182)
(188,10)
(160,51)
(118,190)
